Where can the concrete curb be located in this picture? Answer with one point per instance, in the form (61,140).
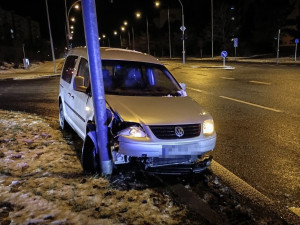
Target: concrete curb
(256,197)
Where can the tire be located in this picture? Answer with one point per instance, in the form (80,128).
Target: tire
(62,120)
(90,158)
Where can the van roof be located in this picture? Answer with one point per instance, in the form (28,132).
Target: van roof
(117,54)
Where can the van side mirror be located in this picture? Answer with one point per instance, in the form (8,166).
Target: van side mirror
(183,86)
(183,89)
(79,84)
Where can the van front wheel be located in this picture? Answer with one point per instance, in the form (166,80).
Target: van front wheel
(90,158)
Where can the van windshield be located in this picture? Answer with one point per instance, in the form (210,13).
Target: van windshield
(138,79)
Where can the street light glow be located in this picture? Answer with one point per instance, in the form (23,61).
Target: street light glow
(122,28)
(115,33)
(125,23)
(138,15)
(72,19)
(72,27)
(157,3)
(104,36)
(76,6)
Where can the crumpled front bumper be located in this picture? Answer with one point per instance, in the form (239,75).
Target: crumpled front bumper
(179,169)
(145,147)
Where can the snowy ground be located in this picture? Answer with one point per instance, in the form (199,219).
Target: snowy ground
(41,182)
(36,70)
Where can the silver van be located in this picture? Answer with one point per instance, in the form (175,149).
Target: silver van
(151,120)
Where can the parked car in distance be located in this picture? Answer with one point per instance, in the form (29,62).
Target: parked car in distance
(151,120)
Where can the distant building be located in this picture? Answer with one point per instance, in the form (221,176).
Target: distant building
(287,39)
(15,31)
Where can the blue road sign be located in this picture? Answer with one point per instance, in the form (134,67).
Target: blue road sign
(296,41)
(224,54)
(235,42)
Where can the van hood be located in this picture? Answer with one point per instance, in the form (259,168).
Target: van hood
(157,110)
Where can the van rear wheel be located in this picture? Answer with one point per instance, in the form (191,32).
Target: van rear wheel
(62,120)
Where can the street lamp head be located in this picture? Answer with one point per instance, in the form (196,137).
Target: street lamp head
(122,28)
(115,33)
(125,23)
(104,36)
(76,6)
(157,4)
(73,19)
(72,27)
(138,15)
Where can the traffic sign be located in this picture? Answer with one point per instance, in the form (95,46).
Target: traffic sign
(296,41)
(182,28)
(235,42)
(224,54)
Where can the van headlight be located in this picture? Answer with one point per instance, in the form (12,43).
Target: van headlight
(133,131)
(208,127)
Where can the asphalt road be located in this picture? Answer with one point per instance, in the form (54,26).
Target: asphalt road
(256,109)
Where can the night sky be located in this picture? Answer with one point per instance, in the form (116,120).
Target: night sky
(110,15)
(255,23)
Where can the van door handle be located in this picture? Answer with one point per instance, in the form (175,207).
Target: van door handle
(70,95)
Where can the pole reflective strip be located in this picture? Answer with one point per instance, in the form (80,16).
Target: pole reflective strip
(95,66)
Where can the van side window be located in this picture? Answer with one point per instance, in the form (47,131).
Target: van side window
(69,68)
(83,70)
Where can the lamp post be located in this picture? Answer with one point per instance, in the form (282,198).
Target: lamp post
(115,34)
(68,32)
(212,28)
(157,5)
(126,24)
(132,38)
(138,15)
(50,34)
(182,29)
(122,30)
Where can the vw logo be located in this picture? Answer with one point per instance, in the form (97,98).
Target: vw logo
(179,131)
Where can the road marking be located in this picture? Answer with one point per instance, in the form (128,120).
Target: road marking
(259,82)
(252,104)
(201,91)
(237,100)
(228,78)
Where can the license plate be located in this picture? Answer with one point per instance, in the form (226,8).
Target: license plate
(168,150)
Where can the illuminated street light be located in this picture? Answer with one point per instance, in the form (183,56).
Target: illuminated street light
(139,15)
(157,3)
(122,28)
(116,33)
(68,33)
(125,23)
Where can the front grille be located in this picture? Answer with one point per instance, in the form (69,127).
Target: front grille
(168,131)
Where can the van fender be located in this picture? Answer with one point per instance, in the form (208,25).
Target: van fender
(93,137)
